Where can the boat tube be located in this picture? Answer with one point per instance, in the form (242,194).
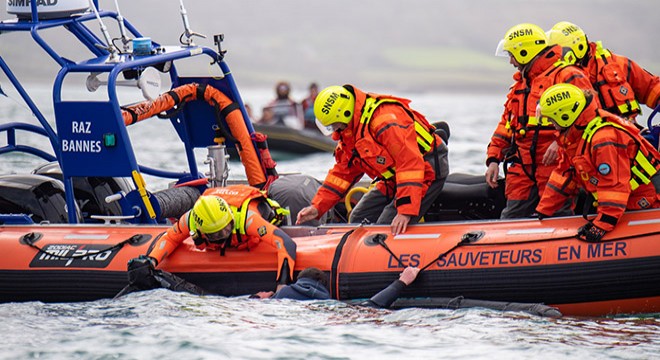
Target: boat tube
(522,261)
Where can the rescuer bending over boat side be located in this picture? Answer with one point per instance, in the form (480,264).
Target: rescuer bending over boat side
(236,216)
(601,153)
(382,136)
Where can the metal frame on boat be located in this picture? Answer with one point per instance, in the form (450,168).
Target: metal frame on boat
(91,137)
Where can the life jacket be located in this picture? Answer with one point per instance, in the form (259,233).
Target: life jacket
(238,197)
(616,95)
(530,138)
(383,167)
(523,102)
(644,165)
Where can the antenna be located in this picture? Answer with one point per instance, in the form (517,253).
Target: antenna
(186,27)
(114,53)
(122,29)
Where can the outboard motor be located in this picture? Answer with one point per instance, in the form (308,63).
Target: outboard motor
(90,192)
(40,197)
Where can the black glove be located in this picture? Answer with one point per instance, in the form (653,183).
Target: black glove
(141,273)
(590,233)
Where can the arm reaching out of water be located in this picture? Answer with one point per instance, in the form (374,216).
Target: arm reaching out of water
(387,296)
(409,275)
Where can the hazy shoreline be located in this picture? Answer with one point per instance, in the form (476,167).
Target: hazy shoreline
(420,45)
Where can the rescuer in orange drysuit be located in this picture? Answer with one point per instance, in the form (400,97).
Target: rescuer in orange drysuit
(379,135)
(600,153)
(520,140)
(236,216)
(621,83)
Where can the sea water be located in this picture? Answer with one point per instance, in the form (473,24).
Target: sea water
(160,324)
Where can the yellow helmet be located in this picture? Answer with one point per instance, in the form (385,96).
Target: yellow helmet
(523,42)
(334,104)
(210,214)
(562,103)
(569,35)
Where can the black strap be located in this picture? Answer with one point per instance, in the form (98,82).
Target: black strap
(380,240)
(334,290)
(201,89)
(134,117)
(221,126)
(175,97)
(228,109)
(464,240)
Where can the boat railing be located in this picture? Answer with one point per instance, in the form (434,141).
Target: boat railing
(10,129)
(91,137)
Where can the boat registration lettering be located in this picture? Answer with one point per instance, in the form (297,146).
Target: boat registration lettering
(592,251)
(81,127)
(81,145)
(88,146)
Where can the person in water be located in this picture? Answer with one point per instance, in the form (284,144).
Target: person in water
(236,216)
(600,153)
(312,284)
(383,137)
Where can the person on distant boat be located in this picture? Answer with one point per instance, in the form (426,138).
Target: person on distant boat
(621,84)
(283,110)
(308,107)
(526,145)
(312,284)
(600,153)
(236,216)
(381,136)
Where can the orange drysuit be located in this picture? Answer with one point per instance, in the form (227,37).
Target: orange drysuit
(620,82)
(519,139)
(387,144)
(251,227)
(606,156)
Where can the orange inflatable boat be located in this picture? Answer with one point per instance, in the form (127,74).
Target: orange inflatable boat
(527,261)
(55,247)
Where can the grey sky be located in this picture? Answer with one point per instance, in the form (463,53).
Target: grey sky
(409,45)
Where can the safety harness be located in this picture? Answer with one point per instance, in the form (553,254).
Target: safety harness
(276,217)
(643,166)
(614,92)
(526,122)
(425,137)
